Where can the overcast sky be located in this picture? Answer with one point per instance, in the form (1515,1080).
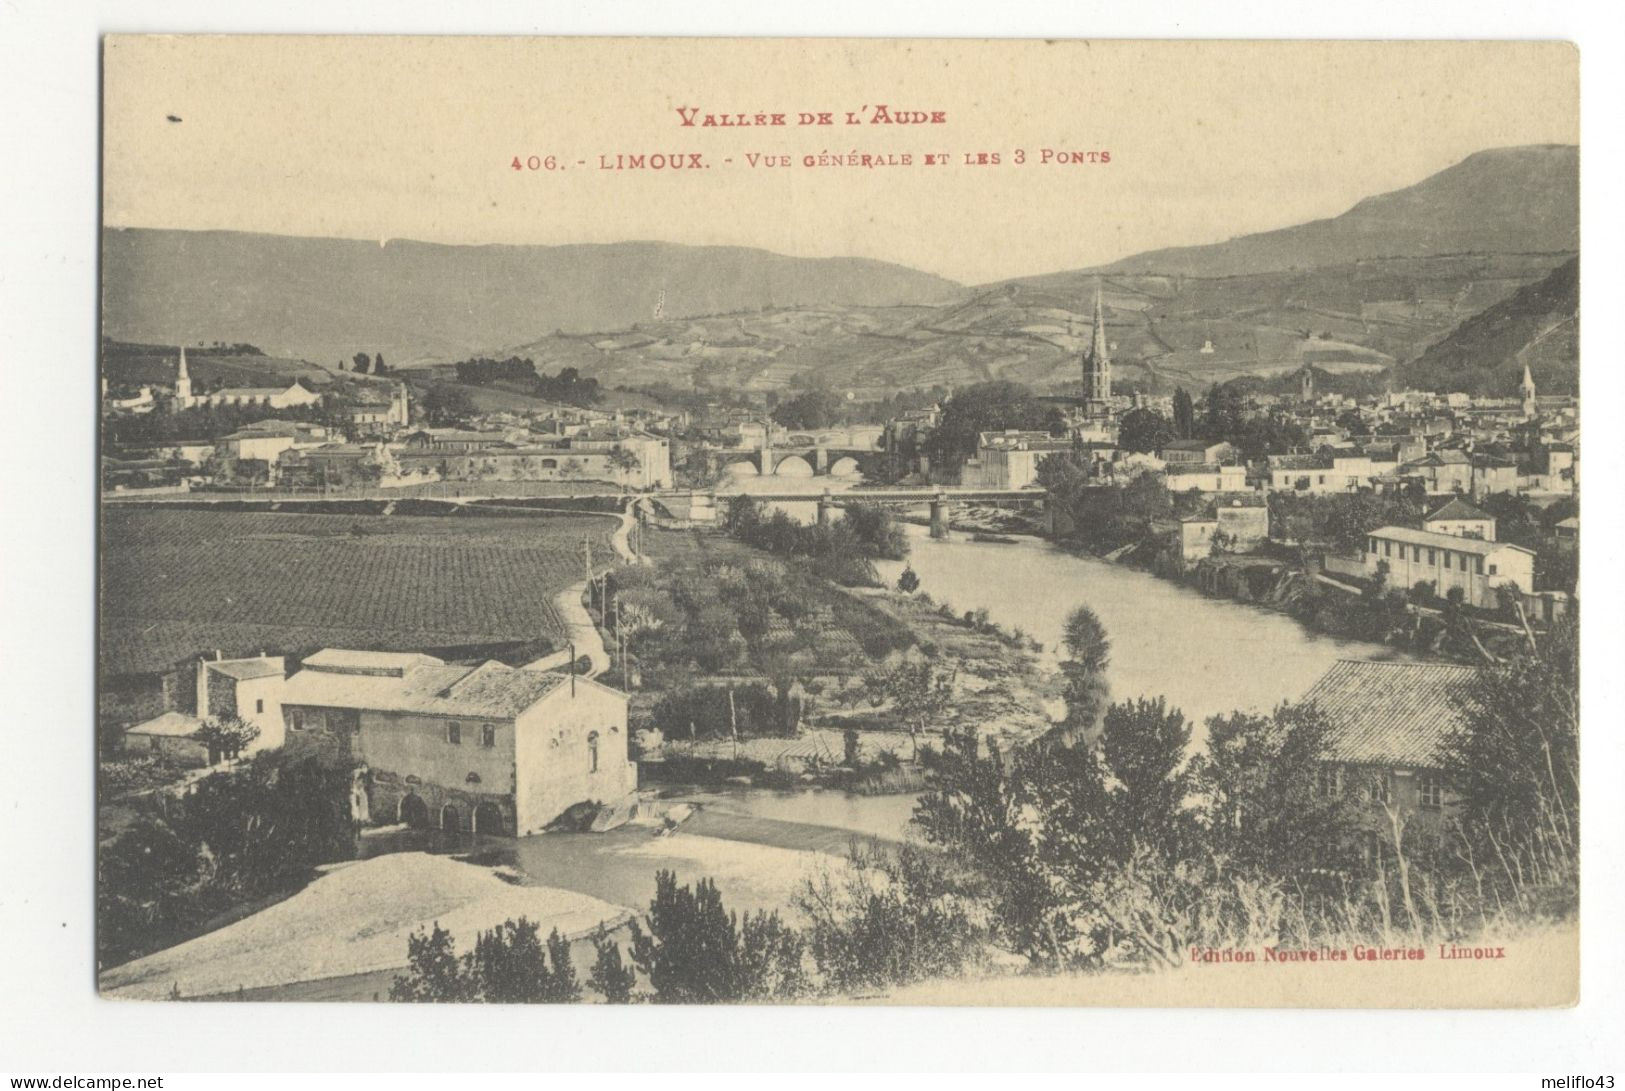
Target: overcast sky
(414,138)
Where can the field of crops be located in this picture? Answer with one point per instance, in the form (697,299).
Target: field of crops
(179,582)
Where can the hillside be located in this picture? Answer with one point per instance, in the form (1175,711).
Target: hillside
(126,366)
(1165,331)
(1503,200)
(1359,293)
(1538,324)
(325,299)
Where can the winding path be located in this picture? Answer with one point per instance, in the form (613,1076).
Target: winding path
(579,626)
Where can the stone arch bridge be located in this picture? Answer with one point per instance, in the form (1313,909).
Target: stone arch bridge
(941,501)
(812,459)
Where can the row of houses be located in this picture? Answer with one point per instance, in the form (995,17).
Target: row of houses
(303,454)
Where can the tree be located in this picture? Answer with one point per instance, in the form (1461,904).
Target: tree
(977,808)
(226,737)
(1143,431)
(1084,669)
(434,972)
(919,693)
(1184,414)
(610,976)
(362,362)
(378,367)
(445,404)
(1143,745)
(509,965)
(624,460)
(1266,806)
(909,581)
(1515,759)
(813,409)
(695,951)
(987,407)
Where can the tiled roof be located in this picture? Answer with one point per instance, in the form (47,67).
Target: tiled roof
(352,659)
(491,689)
(246,669)
(1299,462)
(1457,509)
(1175,469)
(1390,713)
(1443,541)
(252,391)
(170,724)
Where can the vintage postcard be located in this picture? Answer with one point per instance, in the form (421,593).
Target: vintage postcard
(839,521)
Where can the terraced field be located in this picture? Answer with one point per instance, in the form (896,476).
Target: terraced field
(176,583)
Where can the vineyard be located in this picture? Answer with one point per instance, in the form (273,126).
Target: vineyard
(176,583)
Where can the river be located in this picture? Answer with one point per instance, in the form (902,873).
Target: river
(1206,655)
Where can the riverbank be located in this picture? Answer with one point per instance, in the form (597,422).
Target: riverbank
(1207,655)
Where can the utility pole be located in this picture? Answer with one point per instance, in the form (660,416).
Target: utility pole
(733,720)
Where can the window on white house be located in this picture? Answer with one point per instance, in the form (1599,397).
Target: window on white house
(259,704)
(454,733)
(1329,781)
(1433,557)
(1431,791)
(488,735)
(1492,570)
(592,752)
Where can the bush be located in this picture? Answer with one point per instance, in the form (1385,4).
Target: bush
(508,965)
(610,976)
(755,707)
(894,919)
(696,952)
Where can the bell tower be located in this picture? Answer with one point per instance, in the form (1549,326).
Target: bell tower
(183,383)
(1097,366)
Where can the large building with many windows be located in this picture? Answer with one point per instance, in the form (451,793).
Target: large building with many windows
(1478,568)
(486,749)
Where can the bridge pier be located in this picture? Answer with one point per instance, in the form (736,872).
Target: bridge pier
(939,515)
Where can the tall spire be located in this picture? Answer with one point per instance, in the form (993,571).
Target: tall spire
(1097,347)
(1097,363)
(1527,388)
(183,382)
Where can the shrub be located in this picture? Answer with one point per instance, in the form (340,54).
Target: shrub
(894,919)
(508,965)
(696,952)
(610,976)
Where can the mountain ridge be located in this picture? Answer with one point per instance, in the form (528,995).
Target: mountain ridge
(324,299)
(1517,199)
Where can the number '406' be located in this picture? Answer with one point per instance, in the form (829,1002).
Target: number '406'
(536,162)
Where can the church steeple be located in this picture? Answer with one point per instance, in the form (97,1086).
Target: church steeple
(183,381)
(1097,365)
(1527,389)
